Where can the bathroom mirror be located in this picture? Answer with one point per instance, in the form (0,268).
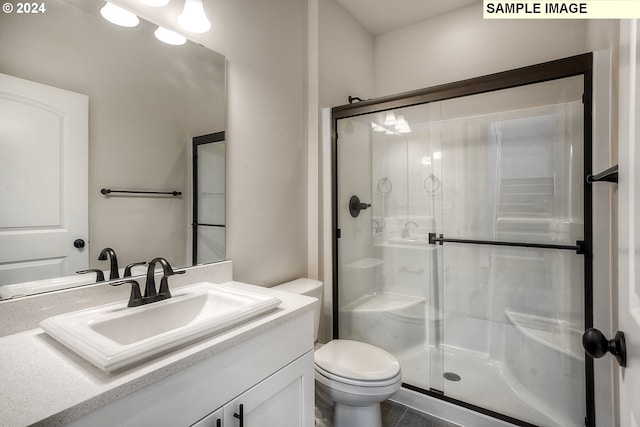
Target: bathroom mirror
(147,101)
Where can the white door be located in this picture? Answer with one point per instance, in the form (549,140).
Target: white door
(43,180)
(629,220)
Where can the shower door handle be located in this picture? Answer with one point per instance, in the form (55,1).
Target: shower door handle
(355,206)
(596,345)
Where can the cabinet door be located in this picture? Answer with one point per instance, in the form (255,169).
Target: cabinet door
(285,399)
(214,419)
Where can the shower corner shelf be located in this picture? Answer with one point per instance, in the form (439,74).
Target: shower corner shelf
(365,263)
(609,175)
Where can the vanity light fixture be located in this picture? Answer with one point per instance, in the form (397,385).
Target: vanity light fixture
(155,3)
(193,17)
(169,37)
(119,16)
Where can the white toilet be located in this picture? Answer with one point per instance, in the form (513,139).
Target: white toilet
(354,376)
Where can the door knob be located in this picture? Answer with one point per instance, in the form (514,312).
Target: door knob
(355,206)
(596,345)
(78,243)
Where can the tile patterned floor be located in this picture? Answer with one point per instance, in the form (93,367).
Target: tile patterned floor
(396,415)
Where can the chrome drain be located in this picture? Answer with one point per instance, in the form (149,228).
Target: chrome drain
(451,376)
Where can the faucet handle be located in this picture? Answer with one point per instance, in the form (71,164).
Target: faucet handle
(127,269)
(99,274)
(164,284)
(135,299)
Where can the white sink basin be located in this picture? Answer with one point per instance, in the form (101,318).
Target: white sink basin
(114,336)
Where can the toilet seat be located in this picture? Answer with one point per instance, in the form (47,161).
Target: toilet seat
(356,363)
(358,383)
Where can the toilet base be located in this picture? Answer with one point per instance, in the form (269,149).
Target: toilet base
(357,416)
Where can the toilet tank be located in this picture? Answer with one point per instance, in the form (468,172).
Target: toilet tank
(308,287)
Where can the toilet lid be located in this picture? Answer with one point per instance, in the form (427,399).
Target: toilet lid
(356,360)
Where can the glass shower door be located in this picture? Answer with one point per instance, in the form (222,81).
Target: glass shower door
(513,272)
(462,254)
(389,292)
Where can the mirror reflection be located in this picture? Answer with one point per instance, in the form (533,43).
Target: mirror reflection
(86,105)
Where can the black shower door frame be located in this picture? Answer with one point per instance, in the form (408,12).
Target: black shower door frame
(579,65)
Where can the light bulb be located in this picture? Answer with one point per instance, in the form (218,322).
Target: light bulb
(401,124)
(169,37)
(390,119)
(193,17)
(377,128)
(154,3)
(119,16)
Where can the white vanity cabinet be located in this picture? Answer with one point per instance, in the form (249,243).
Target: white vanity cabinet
(269,373)
(277,401)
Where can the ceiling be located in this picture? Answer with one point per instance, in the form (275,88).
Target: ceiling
(382,16)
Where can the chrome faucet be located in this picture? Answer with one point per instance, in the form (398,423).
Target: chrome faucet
(150,294)
(405,230)
(111,254)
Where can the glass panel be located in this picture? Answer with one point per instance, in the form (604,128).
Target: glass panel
(210,235)
(513,172)
(387,275)
(211,183)
(211,244)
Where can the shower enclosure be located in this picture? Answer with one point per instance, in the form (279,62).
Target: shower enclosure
(463,239)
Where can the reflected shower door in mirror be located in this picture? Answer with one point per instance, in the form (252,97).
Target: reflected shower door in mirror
(209,198)
(146,102)
(472,315)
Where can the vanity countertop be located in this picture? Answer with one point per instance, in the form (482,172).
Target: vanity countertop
(44,383)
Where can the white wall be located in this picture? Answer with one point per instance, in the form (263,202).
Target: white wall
(345,53)
(266,51)
(461,45)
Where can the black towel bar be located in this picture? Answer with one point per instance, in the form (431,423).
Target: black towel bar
(107,191)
